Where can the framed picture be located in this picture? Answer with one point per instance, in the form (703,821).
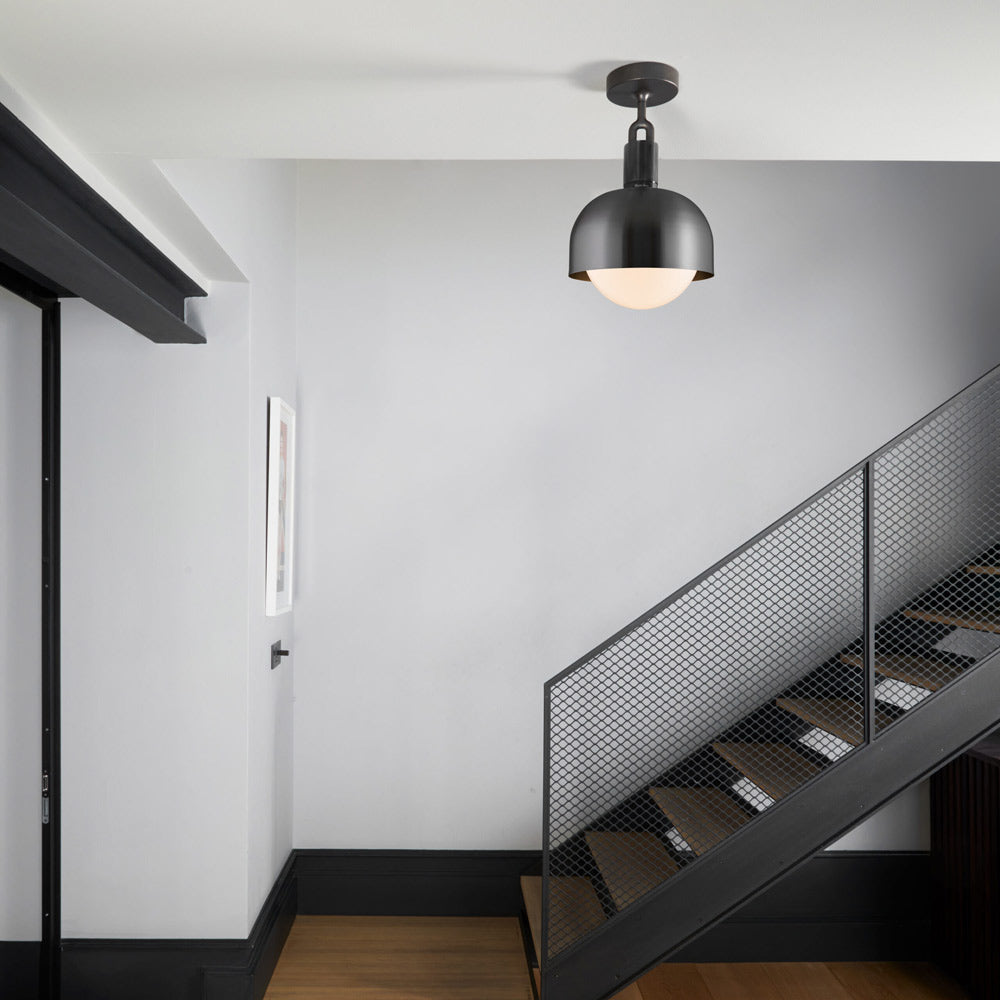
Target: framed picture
(280,505)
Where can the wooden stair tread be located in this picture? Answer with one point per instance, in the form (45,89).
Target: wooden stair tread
(980,622)
(839,716)
(703,816)
(917,670)
(531,893)
(579,899)
(631,863)
(987,570)
(775,768)
(576,900)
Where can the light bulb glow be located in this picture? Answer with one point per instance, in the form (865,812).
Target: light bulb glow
(641,287)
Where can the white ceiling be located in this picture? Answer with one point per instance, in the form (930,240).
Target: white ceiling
(787,79)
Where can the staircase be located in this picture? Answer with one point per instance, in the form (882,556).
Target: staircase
(763,710)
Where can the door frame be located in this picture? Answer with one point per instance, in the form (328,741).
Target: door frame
(50,814)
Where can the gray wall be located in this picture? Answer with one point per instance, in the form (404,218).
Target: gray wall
(177,734)
(20,610)
(499,468)
(249,207)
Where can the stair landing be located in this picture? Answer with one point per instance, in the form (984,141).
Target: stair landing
(386,958)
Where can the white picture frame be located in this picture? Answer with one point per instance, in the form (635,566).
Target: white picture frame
(280,506)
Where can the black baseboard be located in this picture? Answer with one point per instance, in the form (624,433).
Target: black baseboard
(113,969)
(248,978)
(100,969)
(840,906)
(19,969)
(413,883)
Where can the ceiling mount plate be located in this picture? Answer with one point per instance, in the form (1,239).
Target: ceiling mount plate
(626,83)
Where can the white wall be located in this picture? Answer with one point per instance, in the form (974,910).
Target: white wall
(155,641)
(20,610)
(249,206)
(177,735)
(498,468)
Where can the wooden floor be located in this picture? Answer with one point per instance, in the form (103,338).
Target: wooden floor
(402,958)
(482,958)
(799,981)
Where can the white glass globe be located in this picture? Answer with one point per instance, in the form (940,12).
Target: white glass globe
(641,287)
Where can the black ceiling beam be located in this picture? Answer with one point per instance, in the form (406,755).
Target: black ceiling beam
(59,233)
(52,290)
(26,286)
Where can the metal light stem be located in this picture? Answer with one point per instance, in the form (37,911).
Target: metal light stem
(640,225)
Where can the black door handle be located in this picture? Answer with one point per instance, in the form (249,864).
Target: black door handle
(277,653)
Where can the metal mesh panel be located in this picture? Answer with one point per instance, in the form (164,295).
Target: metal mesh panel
(937,552)
(680,732)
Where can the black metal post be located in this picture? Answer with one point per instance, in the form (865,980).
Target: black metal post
(868,616)
(543,956)
(49,978)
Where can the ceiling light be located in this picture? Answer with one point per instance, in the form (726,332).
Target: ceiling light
(641,246)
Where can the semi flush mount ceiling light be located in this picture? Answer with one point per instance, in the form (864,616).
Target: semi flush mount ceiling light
(641,246)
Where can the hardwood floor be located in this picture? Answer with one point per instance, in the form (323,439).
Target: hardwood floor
(800,981)
(402,958)
(482,958)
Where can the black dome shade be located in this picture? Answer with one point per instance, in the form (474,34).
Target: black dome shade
(641,227)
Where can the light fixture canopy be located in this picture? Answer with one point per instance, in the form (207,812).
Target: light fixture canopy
(641,245)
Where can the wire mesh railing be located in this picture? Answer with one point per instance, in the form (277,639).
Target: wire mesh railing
(775,665)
